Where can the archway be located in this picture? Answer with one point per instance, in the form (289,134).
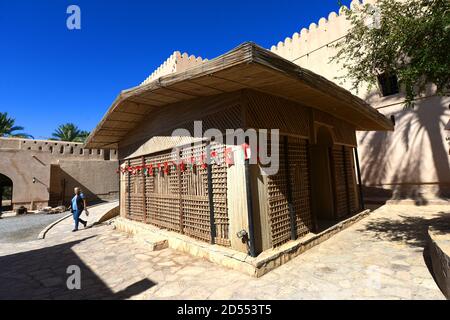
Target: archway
(321,178)
(6,191)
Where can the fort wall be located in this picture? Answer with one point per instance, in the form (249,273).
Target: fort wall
(413,161)
(44,172)
(177,62)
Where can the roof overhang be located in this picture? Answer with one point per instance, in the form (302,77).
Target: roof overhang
(248,66)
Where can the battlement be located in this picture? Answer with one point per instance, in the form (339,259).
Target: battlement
(314,47)
(325,32)
(177,62)
(58,148)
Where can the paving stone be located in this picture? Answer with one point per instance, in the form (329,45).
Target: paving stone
(345,284)
(141,256)
(51,282)
(366,261)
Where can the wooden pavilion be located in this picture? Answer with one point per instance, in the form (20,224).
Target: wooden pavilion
(234,204)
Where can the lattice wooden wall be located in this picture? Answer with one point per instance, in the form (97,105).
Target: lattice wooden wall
(300,184)
(194,198)
(219,182)
(179,200)
(162,194)
(277,193)
(267,111)
(351,180)
(134,188)
(344,181)
(278,203)
(339,176)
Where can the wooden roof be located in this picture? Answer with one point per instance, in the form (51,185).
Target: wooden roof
(248,66)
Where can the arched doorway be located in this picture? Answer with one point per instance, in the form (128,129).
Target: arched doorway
(321,178)
(6,191)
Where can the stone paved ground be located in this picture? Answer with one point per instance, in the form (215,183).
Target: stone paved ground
(380,257)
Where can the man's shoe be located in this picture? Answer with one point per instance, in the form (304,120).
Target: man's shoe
(74,230)
(85,224)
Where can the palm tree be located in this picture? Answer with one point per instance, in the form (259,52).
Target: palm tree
(70,132)
(9,130)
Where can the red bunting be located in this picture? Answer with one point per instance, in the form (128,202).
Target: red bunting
(204,165)
(228,154)
(150,169)
(191,163)
(247,151)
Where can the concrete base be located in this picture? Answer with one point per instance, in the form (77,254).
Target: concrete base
(439,244)
(141,233)
(406,202)
(412,202)
(256,267)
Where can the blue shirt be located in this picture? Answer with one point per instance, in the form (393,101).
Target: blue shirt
(74,202)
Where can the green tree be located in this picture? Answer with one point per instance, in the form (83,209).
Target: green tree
(70,132)
(410,39)
(9,129)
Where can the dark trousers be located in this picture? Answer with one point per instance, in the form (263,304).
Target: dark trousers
(76,217)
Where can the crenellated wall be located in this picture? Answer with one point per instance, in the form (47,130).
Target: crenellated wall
(313,47)
(410,163)
(44,172)
(177,62)
(59,148)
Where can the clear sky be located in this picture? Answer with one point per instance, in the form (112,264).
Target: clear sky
(51,75)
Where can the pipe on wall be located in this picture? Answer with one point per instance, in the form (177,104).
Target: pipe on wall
(251,223)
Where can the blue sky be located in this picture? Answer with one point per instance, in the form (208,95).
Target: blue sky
(50,75)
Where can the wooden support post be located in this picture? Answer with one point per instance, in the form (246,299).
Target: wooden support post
(180,192)
(121,191)
(210,195)
(237,197)
(129,191)
(289,189)
(358,170)
(144,197)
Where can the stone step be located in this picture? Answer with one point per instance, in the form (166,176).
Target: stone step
(152,241)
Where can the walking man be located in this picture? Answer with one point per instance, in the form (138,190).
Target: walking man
(78,205)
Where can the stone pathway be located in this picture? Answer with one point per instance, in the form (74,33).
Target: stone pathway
(380,257)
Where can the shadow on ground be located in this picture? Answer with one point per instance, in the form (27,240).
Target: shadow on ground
(41,274)
(409,229)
